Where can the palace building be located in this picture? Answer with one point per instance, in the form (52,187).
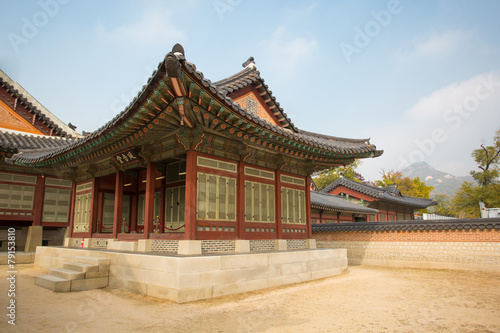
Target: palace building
(188,159)
(388,201)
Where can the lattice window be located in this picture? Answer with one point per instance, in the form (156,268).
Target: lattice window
(57,182)
(401,217)
(56,205)
(16,197)
(13,177)
(108,211)
(293,206)
(216,164)
(141,211)
(382,217)
(82,212)
(293,180)
(259,173)
(216,197)
(175,199)
(84,187)
(176,172)
(259,202)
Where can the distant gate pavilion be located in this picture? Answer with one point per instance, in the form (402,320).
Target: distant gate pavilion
(188,159)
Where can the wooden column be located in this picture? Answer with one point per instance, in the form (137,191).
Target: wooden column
(117,212)
(93,207)
(308,207)
(38,200)
(149,209)
(190,205)
(277,200)
(100,212)
(338,217)
(240,205)
(162,202)
(72,209)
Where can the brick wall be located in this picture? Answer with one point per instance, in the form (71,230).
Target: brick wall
(449,244)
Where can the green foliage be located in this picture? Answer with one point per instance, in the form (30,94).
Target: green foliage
(444,206)
(409,187)
(487,187)
(328,176)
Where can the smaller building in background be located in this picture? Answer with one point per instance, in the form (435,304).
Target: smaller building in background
(390,203)
(328,208)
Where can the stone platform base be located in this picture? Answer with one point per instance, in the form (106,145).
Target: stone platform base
(20,258)
(190,278)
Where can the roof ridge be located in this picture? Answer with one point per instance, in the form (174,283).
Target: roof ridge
(18,88)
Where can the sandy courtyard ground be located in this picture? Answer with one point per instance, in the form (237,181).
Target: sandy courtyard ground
(367,299)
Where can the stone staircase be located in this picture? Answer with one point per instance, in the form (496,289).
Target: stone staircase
(84,273)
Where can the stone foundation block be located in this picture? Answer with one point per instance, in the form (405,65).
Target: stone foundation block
(53,283)
(189,247)
(89,284)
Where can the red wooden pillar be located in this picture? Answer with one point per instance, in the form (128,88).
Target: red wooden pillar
(190,205)
(240,196)
(72,209)
(279,228)
(38,202)
(308,207)
(93,207)
(338,217)
(162,203)
(117,213)
(149,209)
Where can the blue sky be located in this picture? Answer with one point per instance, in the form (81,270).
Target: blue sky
(420,78)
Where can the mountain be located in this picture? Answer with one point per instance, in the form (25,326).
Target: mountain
(443,183)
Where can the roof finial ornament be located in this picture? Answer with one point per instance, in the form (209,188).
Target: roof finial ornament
(248,62)
(178,49)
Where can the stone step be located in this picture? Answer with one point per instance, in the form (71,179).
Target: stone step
(67,274)
(81,267)
(88,284)
(92,261)
(53,283)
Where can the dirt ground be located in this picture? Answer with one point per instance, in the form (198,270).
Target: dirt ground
(367,299)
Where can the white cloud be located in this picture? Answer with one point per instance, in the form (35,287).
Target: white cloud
(154,25)
(286,52)
(442,128)
(437,45)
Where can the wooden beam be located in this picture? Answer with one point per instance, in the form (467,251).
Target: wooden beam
(72,209)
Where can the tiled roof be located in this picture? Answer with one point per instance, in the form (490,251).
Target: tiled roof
(413,225)
(388,194)
(177,61)
(36,107)
(13,141)
(338,204)
(248,76)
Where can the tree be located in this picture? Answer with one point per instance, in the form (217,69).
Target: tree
(328,176)
(487,159)
(408,186)
(444,206)
(487,187)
